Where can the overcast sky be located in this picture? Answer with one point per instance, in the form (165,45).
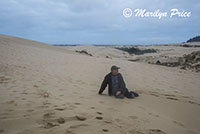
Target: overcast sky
(98,21)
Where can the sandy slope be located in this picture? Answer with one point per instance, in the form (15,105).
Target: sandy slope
(44,88)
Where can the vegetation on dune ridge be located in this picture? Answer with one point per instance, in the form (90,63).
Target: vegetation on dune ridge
(135,50)
(188,61)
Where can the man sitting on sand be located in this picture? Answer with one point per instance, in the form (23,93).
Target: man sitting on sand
(117,86)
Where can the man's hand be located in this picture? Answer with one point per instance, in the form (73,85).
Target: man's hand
(99,93)
(118,92)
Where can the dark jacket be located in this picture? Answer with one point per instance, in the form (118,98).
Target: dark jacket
(108,81)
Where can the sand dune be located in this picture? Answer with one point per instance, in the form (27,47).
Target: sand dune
(49,89)
(171,55)
(100,51)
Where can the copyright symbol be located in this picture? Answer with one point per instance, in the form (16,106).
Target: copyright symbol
(127,12)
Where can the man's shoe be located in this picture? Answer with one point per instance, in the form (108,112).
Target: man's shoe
(134,93)
(130,95)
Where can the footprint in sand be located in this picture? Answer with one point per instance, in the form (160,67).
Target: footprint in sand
(61,90)
(105,130)
(77,103)
(4,80)
(36,86)
(27,116)
(24,92)
(78,125)
(61,120)
(195,103)
(1,130)
(60,109)
(154,94)
(108,122)
(73,127)
(46,103)
(72,118)
(100,113)
(69,132)
(61,95)
(152,114)
(49,120)
(142,108)
(83,97)
(72,106)
(101,101)
(81,118)
(99,117)
(55,106)
(135,132)
(3,117)
(10,110)
(48,115)
(155,131)
(118,120)
(169,95)
(30,110)
(92,107)
(172,98)
(44,94)
(185,96)
(49,125)
(133,117)
(11,102)
(178,123)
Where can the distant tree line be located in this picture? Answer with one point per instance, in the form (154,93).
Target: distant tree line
(195,39)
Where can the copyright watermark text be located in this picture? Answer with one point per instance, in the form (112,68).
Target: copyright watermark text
(127,13)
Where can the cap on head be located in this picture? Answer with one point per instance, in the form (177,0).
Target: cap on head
(115,68)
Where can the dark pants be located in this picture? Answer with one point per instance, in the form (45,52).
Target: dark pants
(123,91)
(126,93)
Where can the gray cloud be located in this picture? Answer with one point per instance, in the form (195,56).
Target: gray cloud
(96,22)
